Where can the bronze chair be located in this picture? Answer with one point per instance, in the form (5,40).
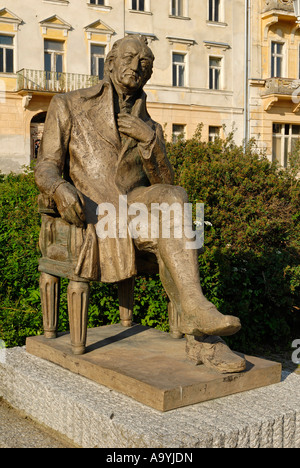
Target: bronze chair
(61,245)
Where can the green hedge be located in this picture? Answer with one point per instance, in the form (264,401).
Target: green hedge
(250,266)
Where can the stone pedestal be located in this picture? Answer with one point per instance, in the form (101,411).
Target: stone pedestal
(92,415)
(150,367)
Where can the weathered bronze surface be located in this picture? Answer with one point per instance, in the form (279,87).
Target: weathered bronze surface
(99,144)
(151,367)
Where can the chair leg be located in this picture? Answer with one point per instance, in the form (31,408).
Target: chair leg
(50,292)
(78,303)
(126,298)
(174,321)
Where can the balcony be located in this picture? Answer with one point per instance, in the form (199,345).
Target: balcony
(283,5)
(282,86)
(39,81)
(275,11)
(281,89)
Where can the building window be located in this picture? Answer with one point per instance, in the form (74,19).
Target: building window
(138,5)
(213,133)
(285,137)
(178,132)
(179,69)
(6,54)
(177,8)
(97,2)
(53,57)
(276,59)
(97,60)
(214,11)
(215,68)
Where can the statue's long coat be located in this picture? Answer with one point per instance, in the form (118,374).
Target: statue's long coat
(81,143)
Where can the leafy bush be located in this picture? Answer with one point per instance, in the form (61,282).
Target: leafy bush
(19,231)
(249,268)
(250,265)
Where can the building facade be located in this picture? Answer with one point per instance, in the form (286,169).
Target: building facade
(53,46)
(274,78)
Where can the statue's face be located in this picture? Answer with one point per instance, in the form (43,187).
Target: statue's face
(132,66)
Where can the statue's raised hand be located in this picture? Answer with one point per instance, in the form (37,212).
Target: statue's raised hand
(70,204)
(135,128)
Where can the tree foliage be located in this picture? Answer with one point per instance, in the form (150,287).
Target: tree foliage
(250,266)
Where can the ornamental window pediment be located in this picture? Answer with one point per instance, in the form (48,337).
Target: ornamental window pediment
(55,22)
(6,16)
(99,27)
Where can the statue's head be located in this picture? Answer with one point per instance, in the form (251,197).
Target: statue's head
(130,64)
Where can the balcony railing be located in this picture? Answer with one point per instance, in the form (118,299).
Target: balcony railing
(285,5)
(39,80)
(281,86)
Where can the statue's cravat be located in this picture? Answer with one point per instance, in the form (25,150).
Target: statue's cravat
(125,104)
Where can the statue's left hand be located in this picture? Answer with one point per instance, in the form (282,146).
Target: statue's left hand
(70,204)
(135,128)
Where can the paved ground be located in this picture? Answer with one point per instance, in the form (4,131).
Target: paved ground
(19,431)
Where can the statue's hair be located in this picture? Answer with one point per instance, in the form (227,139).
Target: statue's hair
(113,53)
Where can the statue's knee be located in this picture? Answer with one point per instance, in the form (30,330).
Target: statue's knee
(177,194)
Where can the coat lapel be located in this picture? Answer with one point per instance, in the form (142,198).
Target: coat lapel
(101,113)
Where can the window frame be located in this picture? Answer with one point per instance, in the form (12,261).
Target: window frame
(10,47)
(212,136)
(177,65)
(102,7)
(146,10)
(53,53)
(212,9)
(99,44)
(176,135)
(138,9)
(274,56)
(175,11)
(286,141)
(96,3)
(220,68)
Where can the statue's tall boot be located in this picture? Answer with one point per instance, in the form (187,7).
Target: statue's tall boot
(50,292)
(78,303)
(211,351)
(179,272)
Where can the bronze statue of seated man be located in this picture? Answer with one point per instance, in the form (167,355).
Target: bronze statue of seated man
(100,145)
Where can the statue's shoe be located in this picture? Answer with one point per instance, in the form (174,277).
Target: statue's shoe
(214,354)
(209,321)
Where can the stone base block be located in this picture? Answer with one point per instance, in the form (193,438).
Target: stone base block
(150,367)
(94,416)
